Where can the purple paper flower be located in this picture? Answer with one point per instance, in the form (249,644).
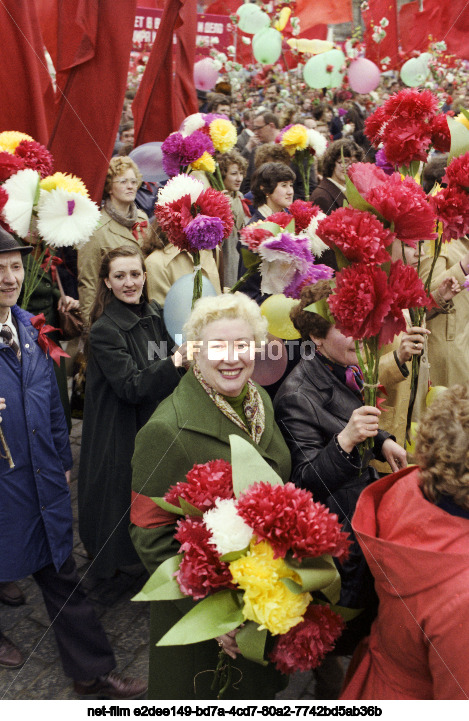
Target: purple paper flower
(283,257)
(194,146)
(204,232)
(289,244)
(173,144)
(172,149)
(382,162)
(312,275)
(210,117)
(171,165)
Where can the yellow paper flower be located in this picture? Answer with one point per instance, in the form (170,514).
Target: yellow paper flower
(10,139)
(459,118)
(223,134)
(267,600)
(295,138)
(205,162)
(67,182)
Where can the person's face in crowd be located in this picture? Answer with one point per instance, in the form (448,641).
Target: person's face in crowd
(224,109)
(282,196)
(337,347)
(328,115)
(126,278)
(226,358)
(124,189)
(233,178)
(262,130)
(11,280)
(411,254)
(340,169)
(271,94)
(127,137)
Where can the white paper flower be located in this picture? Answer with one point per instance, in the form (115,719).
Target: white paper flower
(317,142)
(316,245)
(179,186)
(22,188)
(384,22)
(66,218)
(191,123)
(229,531)
(282,257)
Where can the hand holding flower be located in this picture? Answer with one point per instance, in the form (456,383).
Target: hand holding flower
(411,343)
(449,288)
(363,424)
(228,643)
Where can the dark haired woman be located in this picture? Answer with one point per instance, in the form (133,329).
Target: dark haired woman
(126,379)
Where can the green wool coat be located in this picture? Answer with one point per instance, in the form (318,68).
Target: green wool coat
(188,428)
(123,388)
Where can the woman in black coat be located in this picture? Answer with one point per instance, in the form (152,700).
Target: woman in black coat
(320,411)
(130,370)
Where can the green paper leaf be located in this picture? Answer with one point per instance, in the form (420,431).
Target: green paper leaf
(290,228)
(348,614)
(459,138)
(316,574)
(234,555)
(188,509)
(251,642)
(167,506)
(249,467)
(292,586)
(464,112)
(250,259)
(213,616)
(162,585)
(37,194)
(332,591)
(342,261)
(321,307)
(274,228)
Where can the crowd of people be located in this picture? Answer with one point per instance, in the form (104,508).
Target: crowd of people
(148,420)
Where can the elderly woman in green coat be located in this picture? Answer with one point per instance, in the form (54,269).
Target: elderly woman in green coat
(126,379)
(214,400)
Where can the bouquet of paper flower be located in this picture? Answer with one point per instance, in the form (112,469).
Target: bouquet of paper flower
(303,144)
(281,248)
(54,208)
(194,219)
(253,554)
(194,145)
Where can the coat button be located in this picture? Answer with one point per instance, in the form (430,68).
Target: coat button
(26,345)
(38,470)
(43,508)
(34,430)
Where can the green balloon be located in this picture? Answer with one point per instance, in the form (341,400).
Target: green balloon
(252,22)
(267,46)
(415,71)
(317,72)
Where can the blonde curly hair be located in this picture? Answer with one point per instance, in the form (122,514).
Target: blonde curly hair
(230,306)
(118,166)
(442,447)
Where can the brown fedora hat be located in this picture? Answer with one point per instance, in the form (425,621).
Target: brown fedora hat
(9,244)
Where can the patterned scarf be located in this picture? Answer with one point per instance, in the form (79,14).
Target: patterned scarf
(128,221)
(351,375)
(252,405)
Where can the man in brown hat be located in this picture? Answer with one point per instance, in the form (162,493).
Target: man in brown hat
(35,513)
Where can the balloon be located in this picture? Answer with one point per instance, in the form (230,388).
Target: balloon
(363,75)
(277,311)
(267,46)
(178,304)
(252,18)
(149,158)
(271,362)
(205,74)
(314,47)
(410,445)
(433,393)
(315,72)
(415,71)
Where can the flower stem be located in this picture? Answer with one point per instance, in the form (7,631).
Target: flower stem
(6,449)
(241,281)
(197,292)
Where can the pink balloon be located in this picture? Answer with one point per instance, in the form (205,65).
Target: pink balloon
(363,75)
(205,74)
(271,362)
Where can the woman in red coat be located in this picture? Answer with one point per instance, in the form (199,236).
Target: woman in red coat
(413,527)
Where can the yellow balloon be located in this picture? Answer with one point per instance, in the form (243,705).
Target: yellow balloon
(283,18)
(277,311)
(433,393)
(462,119)
(410,446)
(314,47)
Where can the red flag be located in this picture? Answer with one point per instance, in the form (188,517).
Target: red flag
(388,46)
(92,92)
(157,104)
(185,96)
(318,12)
(27,93)
(441,21)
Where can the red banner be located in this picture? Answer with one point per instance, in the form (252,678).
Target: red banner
(381,16)
(438,20)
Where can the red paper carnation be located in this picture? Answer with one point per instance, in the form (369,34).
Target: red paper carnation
(412,103)
(404,203)
(289,519)
(361,300)
(441,138)
(358,234)
(303,212)
(304,646)
(406,141)
(172,219)
(375,124)
(366,176)
(36,157)
(9,165)
(252,236)
(457,172)
(408,292)
(212,202)
(282,219)
(205,483)
(452,209)
(200,572)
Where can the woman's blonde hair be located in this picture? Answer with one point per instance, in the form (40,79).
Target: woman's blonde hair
(231,306)
(442,447)
(118,166)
